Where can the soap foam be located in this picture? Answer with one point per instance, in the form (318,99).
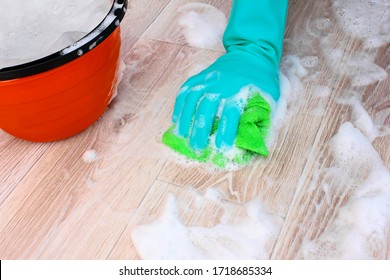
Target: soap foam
(168,238)
(202,25)
(90,156)
(367,20)
(360,229)
(120,73)
(360,118)
(309,61)
(360,67)
(34,29)
(322,91)
(292,73)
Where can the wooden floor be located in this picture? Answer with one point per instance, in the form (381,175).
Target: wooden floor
(55,205)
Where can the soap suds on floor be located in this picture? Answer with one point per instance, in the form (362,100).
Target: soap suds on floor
(202,25)
(322,91)
(360,118)
(34,29)
(361,227)
(90,156)
(357,176)
(367,20)
(309,61)
(119,76)
(168,237)
(360,67)
(292,74)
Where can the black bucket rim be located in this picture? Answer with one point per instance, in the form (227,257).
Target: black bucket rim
(79,48)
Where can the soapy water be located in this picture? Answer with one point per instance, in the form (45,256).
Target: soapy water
(202,25)
(36,28)
(360,117)
(167,237)
(90,156)
(359,230)
(361,67)
(368,21)
(120,73)
(361,227)
(365,19)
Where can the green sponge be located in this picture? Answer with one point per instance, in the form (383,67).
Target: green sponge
(252,131)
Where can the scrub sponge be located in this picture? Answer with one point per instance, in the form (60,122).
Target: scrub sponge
(251,137)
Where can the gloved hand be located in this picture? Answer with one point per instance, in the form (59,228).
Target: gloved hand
(253,41)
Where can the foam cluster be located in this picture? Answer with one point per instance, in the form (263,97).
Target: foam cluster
(167,237)
(36,28)
(368,20)
(202,25)
(361,227)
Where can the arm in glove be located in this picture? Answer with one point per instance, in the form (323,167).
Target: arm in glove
(253,41)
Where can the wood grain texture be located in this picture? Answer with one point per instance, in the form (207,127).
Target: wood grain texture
(54,205)
(139,16)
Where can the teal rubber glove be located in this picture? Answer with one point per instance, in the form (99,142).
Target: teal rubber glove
(253,41)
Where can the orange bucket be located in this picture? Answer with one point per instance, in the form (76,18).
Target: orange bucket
(63,94)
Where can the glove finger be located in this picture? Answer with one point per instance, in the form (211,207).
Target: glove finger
(182,94)
(204,119)
(188,111)
(227,128)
